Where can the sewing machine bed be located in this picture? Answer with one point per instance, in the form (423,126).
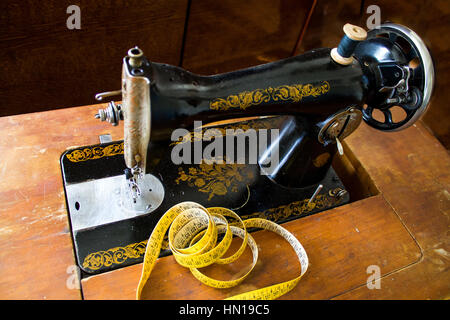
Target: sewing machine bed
(397,219)
(106,237)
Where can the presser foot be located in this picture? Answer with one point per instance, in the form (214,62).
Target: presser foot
(141,195)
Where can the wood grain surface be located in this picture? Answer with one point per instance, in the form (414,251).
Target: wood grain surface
(341,244)
(35,241)
(412,171)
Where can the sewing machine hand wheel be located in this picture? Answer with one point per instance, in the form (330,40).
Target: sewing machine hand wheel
(400,66)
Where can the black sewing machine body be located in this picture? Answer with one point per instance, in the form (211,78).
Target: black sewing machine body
(311,99)
(268,90)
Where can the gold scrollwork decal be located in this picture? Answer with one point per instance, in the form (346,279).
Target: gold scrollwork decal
(293,93)
(117,255)
(95,152)
(293,209)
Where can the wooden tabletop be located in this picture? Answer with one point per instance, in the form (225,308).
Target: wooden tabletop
(403,230)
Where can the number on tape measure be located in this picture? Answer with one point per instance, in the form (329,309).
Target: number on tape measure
(193,240)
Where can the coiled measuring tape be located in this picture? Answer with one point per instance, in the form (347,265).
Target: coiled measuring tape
(193,240)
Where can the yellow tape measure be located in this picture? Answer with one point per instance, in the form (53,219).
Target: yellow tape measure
(193,235)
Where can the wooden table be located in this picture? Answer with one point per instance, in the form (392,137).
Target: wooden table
(403,230)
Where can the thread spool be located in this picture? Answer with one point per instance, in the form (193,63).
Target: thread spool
(353,35)
(346,47)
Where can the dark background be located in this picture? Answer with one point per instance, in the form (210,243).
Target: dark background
(46,66)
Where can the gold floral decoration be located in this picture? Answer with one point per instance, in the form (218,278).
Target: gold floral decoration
(293,93)
(293,209)
(95,152)
(117,255)
(215,178)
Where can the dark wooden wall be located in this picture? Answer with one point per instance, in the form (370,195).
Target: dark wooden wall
(227,35)
(47,66)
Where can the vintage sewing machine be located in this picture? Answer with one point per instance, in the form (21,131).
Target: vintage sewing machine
(116,191)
